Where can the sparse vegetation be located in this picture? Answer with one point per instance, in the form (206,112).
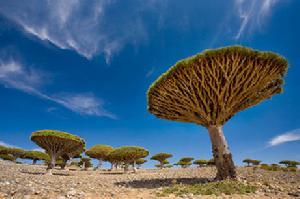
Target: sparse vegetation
(290,163)
(227,187)
(211,87)
(252,162)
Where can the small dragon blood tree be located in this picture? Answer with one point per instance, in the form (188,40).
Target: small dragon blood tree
(56,144)
(15,152)
(68,156)
(185,162)
(200,162)
(35,156)
(129,155)
(211,87)
(99,152)
(139,162)
(161,158)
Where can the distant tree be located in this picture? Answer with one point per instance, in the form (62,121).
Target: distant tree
(247,161)
(255,162)
(290,163)
(7,157)
(99,152)
(85,163)
(275,167)
(35,156)
(129,154)
(3,149)
(200,163)
(211,87)
(139,162)
(185,162)
(67,157)
(56,144)
(15,152)
(211,162)
(161,157)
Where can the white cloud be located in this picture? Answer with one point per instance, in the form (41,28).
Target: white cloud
(252,14)
(150,72)
(2,143)
(14,75)
(38,149)
(89,28)
(290,136)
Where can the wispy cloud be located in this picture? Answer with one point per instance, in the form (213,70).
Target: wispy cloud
(150,72)
(2,143)
(89,28)
(252,14)
(290,136)
(15,75)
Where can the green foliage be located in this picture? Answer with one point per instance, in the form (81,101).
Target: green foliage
(212,188)
(186,159)
(290,163)
(99,152)
(58,134)
(3,149)
(15,152)
(211,162)
(161,158)
(200,162)
(140,161)
(251,161)
(7,157)
(128,154)
(185,162)
(35,155)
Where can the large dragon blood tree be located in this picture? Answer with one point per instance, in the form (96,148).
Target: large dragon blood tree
(209,88)
(57,144)
(100,152)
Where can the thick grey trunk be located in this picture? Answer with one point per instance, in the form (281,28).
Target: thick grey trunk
(134,167)
(221,153)
(99,164)
(51,164)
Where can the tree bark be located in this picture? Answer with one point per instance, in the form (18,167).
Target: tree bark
(51,165)
(134,167)
(221,153)
(126,168)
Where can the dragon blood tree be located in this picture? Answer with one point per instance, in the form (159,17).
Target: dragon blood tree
(185,162)
(210,87)
(35,156)
(56,144)
(161,158)
(15,152)
(99,152)
(139,162)
(68,156)
(200,163)
(129,155)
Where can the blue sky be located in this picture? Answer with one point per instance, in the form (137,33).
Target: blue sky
(85,67)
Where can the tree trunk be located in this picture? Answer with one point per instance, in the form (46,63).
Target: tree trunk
(63,165)
(99,166)
(34,161)
(126,168)
(133,167)
(222,155)
(51,165)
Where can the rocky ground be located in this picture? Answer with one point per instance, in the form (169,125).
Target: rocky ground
(28,181)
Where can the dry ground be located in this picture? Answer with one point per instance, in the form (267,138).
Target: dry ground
(28,181)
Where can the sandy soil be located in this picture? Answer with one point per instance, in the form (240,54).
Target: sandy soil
(28,181)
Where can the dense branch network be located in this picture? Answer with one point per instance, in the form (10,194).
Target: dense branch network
(210,87)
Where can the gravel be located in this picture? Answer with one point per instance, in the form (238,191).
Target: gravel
(28,181)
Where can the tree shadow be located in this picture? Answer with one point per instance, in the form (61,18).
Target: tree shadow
(159,182)
(42,173)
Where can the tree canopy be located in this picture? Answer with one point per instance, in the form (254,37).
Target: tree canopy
(290,163)
(210,87)
(57,143)
(162,158)
(35,155)
(99,151)
(200,162)
(129,154)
